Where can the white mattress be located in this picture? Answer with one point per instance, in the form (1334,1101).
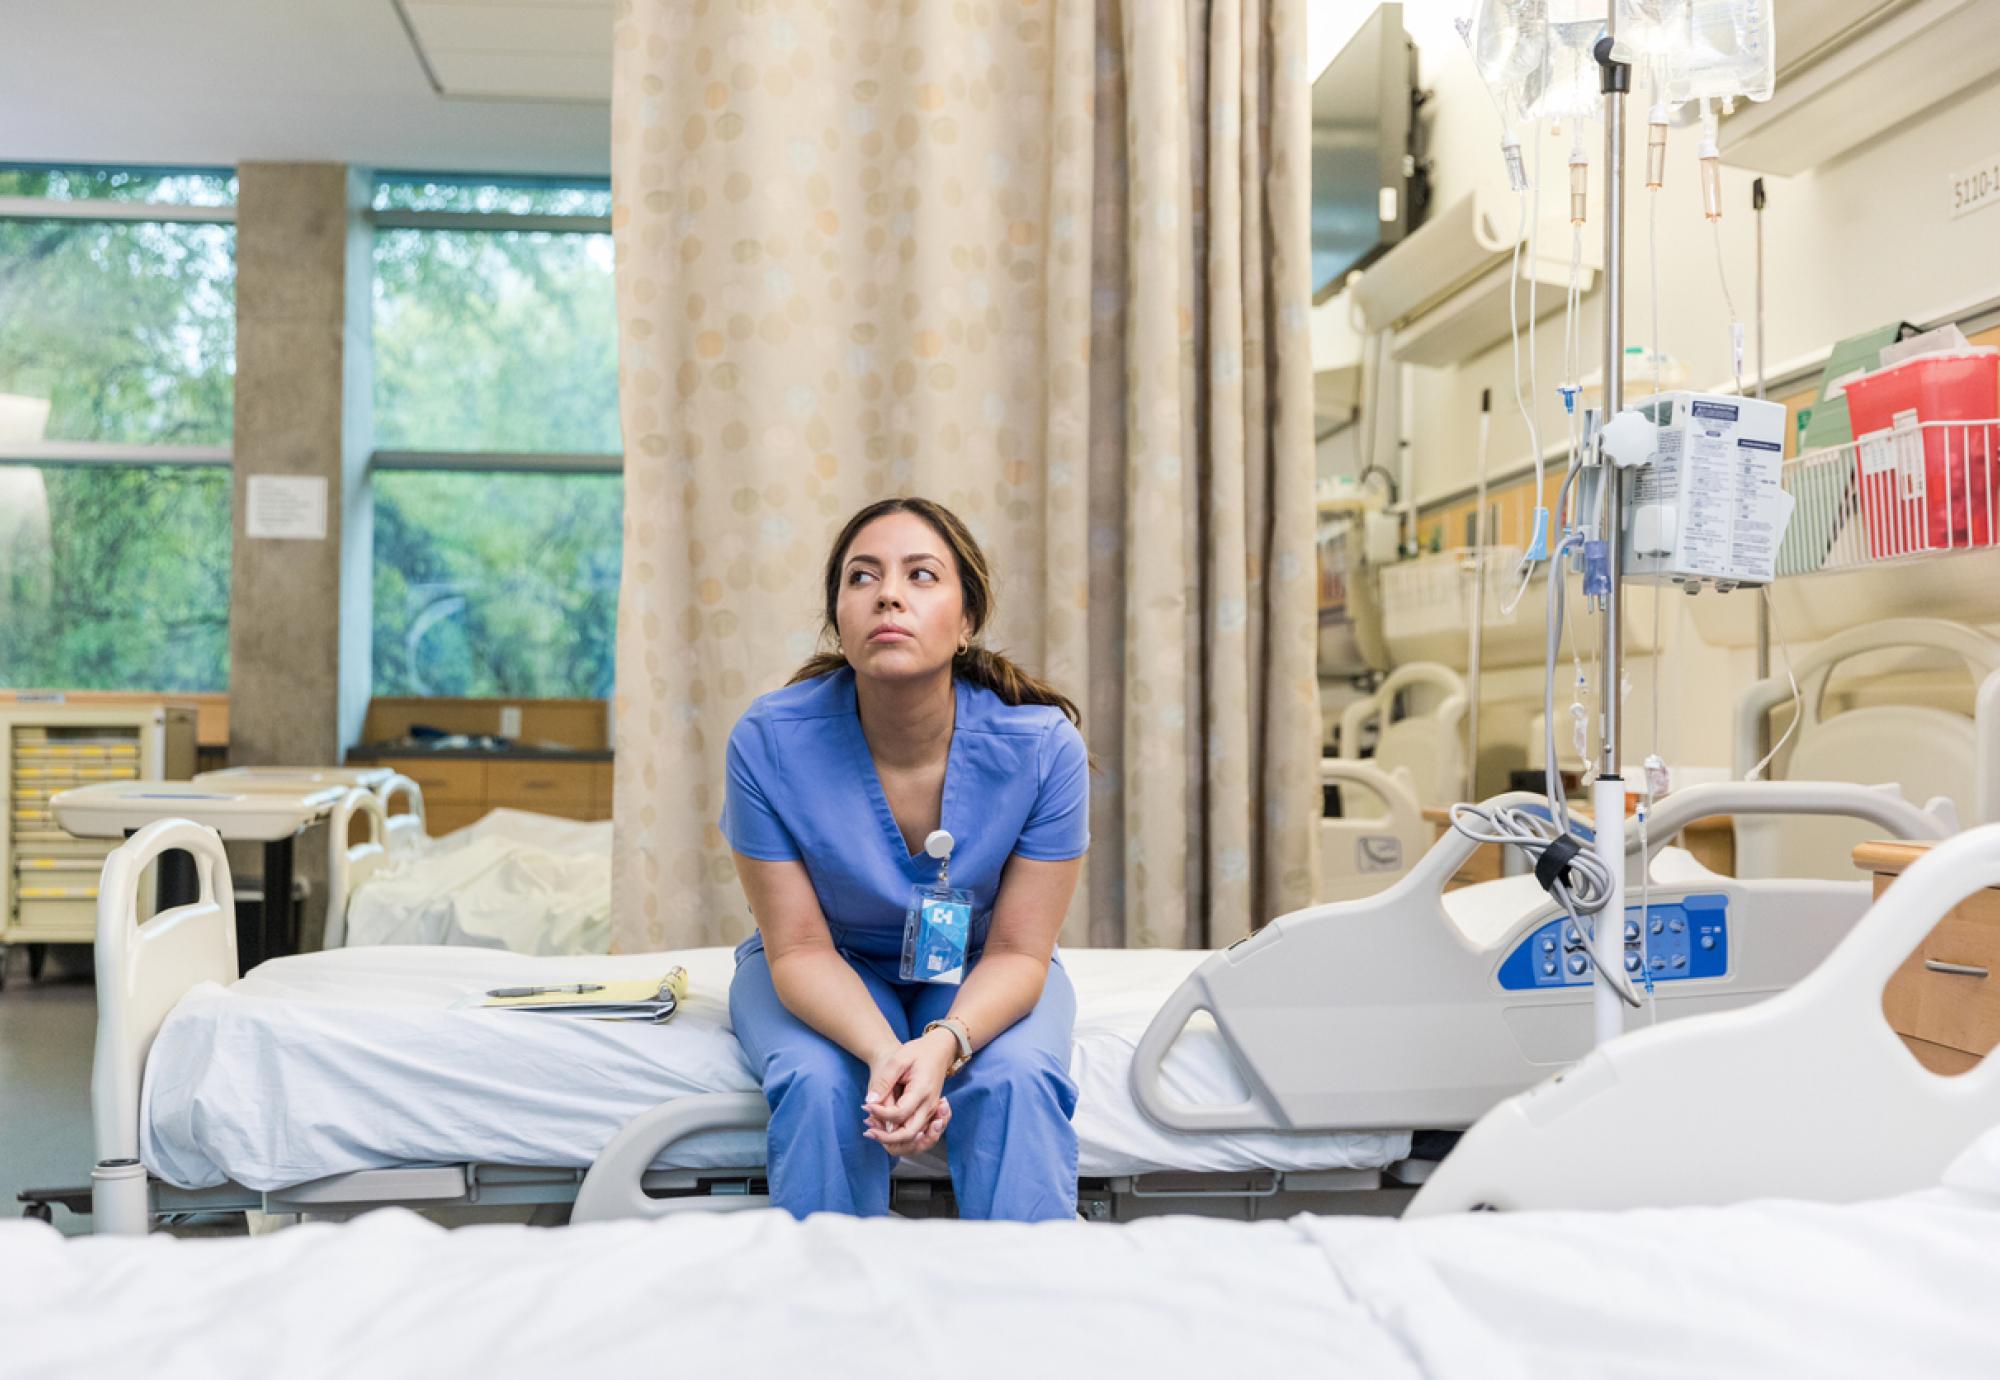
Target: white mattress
(329,1062)
(1898,1287)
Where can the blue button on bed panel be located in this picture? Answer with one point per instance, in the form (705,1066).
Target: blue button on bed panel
(1679,941)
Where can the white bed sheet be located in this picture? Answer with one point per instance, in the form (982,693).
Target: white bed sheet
(527,883)
(1897,1287)
(330,1062)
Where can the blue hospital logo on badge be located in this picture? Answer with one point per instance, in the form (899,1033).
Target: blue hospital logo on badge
(935,936)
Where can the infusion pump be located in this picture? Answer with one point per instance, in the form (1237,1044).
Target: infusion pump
(1704,506)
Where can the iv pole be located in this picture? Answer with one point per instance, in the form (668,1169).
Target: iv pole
(1608,792)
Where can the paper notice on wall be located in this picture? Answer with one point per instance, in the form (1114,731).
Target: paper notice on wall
(286,507)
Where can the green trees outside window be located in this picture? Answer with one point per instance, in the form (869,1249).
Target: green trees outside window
(496,341)
(116,575)
(496,584)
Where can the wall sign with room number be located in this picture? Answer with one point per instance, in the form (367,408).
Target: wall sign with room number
(1976,188)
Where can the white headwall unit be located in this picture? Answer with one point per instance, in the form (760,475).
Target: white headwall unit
(1860,241)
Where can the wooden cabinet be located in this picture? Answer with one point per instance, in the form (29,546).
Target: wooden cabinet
(459,791)
(549,788)
(1945,999)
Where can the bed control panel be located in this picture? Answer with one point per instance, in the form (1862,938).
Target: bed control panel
(1670,941)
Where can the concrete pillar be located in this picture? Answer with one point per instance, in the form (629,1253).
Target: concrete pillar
(299,616)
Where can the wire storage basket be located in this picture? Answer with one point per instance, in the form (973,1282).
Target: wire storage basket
(1916,490)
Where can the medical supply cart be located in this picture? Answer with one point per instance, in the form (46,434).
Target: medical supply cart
(48,877)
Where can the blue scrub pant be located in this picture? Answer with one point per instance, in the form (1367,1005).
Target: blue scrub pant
(1010,1143)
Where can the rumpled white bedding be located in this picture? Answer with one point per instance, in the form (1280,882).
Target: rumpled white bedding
(1898,1287)
(353,1059)
(526,883)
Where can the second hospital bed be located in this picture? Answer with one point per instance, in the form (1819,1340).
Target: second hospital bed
(328,1082)
(1901,1285)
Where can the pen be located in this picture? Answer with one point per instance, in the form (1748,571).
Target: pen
(544,991)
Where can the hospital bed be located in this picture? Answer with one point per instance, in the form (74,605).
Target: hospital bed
(1927,750)
(333,1081)
(530,883)
(1418,713)
(1900,1286)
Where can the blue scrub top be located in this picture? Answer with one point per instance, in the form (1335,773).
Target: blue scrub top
(802,786)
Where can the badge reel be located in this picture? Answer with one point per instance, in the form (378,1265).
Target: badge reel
(938,925)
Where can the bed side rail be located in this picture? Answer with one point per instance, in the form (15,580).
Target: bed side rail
(348,865)
(143,969)
(1883,805)
(1810,1094)
(613,1188)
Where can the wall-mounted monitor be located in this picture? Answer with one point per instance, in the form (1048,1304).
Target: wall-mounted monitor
(1370,186)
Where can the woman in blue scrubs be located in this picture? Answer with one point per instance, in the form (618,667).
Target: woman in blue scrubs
(836,782)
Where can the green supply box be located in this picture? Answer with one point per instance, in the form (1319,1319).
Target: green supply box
(1826,424)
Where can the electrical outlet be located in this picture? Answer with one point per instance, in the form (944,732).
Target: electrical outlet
(510,721)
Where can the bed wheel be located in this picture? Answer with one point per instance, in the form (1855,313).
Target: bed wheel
(39,1212)
(38,959)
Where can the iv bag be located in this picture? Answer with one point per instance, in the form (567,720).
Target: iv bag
(1654,36)
(1569,85)
(1509,42)
(1732,54)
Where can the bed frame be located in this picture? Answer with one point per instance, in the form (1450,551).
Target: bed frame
(1816,1079)
(1926,749)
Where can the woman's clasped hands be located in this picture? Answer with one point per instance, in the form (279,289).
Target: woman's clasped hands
(905,1110)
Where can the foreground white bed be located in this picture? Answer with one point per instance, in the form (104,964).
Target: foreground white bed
(1894,1287)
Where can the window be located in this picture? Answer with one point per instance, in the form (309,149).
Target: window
(114,577)
(495,341)
(496,469)
(496,584)
(117,363)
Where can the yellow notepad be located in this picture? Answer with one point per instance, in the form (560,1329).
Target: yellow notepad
(641,999)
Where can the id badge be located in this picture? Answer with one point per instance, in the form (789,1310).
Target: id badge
(936,930)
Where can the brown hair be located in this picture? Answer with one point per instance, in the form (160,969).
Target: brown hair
(979,665)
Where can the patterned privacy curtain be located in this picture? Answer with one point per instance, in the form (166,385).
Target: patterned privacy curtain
(1046,262)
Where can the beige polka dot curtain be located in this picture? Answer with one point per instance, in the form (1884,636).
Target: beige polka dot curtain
(1046,262)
